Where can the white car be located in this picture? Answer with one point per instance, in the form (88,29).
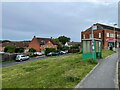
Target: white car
(63,52)
(21,57)
(38,53)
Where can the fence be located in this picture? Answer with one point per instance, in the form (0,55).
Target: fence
(8,56)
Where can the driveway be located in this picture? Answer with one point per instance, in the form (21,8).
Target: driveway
(7,64)
(104,76)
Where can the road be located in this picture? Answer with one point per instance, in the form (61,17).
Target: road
(104,75)
(7,64)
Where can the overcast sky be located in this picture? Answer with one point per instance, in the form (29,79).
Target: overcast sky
(22,21)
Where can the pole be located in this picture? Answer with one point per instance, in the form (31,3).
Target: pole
(114,36)
(92,43)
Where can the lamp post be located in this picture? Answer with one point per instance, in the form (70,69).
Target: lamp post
(114,36)
(93,28)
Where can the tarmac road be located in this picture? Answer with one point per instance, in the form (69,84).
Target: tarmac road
(7,64)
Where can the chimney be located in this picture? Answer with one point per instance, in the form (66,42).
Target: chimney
(34,37)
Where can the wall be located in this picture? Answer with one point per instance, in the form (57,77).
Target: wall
(34,44)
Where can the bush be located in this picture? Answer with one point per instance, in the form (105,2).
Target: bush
(19,50)
(32,50)
(10,49)
(65,48)
(48,50)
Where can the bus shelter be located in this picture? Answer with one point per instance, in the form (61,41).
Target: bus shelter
(91,49)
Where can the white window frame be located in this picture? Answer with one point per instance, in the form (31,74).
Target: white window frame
(99,35)
(107,34)
(84,36)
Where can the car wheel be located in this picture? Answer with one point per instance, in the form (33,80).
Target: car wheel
(20,60)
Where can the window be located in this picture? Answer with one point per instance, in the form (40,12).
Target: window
(87,46)
(99,35)
(108,35)
(84,36)
(111,35)
(90,35)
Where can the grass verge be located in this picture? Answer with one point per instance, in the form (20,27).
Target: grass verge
(53,72)
(106,53)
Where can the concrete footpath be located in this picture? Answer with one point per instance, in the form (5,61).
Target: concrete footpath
(103,76)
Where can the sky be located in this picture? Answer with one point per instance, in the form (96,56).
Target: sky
(23,20)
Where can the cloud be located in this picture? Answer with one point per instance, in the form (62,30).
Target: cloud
(52,19)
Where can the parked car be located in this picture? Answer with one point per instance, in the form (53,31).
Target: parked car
(53,54)
(62,52)
(38,53)
(1,52)
(21,57)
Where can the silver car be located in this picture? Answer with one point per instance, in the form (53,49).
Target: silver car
(21,57)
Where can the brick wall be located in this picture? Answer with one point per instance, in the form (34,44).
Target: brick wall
(35,44)
(96,35)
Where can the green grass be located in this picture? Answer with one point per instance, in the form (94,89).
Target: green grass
(53,72)
(106,53)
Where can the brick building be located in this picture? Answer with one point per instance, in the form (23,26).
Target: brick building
(39,44)
(105,33)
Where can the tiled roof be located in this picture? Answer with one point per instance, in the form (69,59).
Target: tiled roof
(21,44)
(73,43)
(103,27)
(43,41)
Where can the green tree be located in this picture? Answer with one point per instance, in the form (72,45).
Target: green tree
(64,39)
(6,41)
(65,48)
(48,50)
(59,43)
(19,50)
(32,50)
(9,49)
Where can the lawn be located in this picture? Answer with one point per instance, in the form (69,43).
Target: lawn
(53,72)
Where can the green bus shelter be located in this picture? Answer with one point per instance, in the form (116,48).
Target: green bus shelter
(91,49)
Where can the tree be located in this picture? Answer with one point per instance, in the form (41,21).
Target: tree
(59,43)
(19,50)
(32,50)
(6,41)
(9,49)
(64,39)
(48,50)
(65,48)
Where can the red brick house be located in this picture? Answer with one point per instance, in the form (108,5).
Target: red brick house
(39,44)
(105,33)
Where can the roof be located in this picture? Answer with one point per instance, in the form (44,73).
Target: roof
(20,44)
(43,41)
(91,39)
(103,27)
(73,43)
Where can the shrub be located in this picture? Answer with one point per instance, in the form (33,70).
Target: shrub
(48,50)
(10,49)
(32,50)
(65,48)
(19,50)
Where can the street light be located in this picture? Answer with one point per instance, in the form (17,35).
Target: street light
(114,35)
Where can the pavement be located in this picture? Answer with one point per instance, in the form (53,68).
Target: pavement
(103,76)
